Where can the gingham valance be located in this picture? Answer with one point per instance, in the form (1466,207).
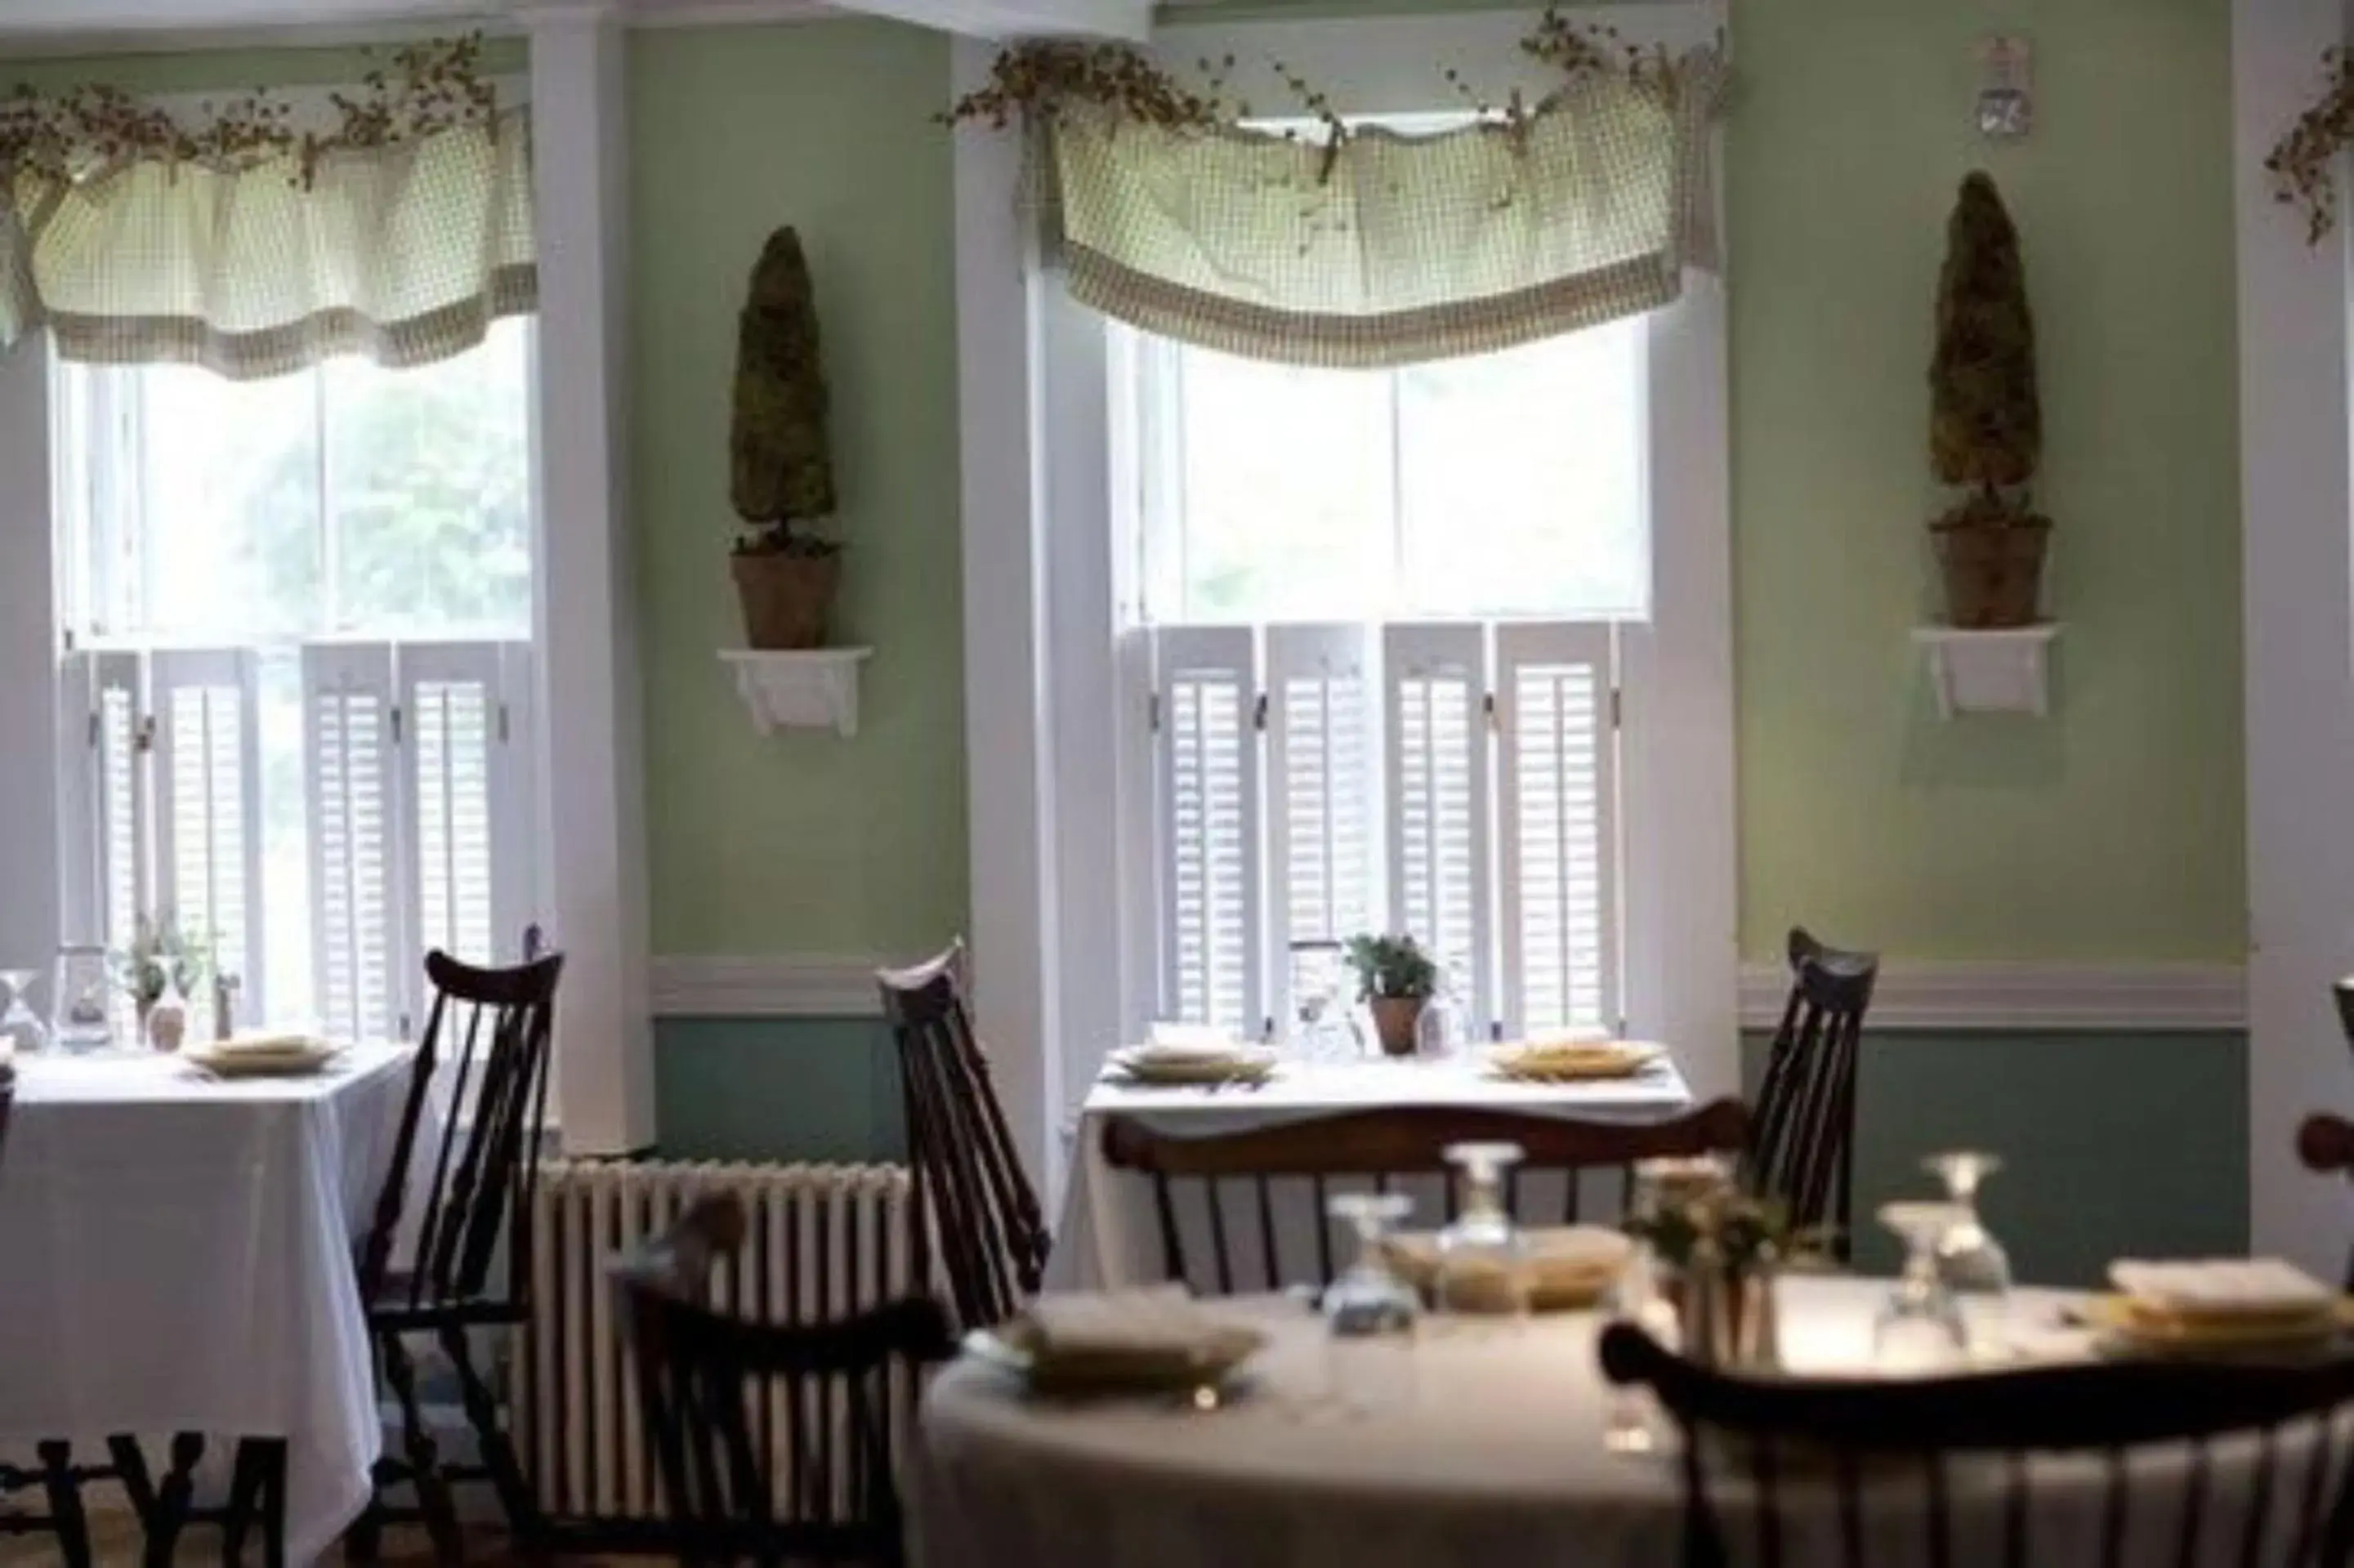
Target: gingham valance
(1391,248)
(403,252)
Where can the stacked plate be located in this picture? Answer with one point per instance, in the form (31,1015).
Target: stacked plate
(1156,1341)
(1569,1267)
(2223,1306)
(1572,1061)
(264,1055)
(1172,1060)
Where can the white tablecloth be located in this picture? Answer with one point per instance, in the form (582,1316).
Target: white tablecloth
(1497,1457)
(1108,1235)
(176,1254)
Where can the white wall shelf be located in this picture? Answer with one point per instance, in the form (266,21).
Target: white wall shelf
(2005,672)
(812,689)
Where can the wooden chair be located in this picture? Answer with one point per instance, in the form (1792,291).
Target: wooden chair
(807,1476)
(1857,1433)
(488,1033)
(2326,1144)
(1375,1149)
(56,1474)
(2343,990)
(1804,1152)
(970,1194)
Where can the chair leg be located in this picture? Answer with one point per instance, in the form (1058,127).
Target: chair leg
(432,1487)
(172,1498)
(244,1497)
(524,1522)
(273,1503)
(64,1502)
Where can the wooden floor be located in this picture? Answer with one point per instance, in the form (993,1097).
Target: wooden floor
(117,1540)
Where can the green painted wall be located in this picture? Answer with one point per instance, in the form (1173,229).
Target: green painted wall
(799,1088)
(802,842)
(2113,829)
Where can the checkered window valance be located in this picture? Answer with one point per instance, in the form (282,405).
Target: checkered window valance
(1393,248)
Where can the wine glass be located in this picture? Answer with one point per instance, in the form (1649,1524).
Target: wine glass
(20,1026)
(1481,1263)
(1369,1311)
(1321,1029)
(80,1019)
(1920,1327)
(1970,1261)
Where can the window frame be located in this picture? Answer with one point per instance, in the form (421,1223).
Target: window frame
(1056,687)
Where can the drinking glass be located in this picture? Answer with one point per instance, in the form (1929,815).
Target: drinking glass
(1970,1261)
(79,1018)
(1481,1264)
(20,1026)
(1369,1311)
(1920,1327)
(1320,990)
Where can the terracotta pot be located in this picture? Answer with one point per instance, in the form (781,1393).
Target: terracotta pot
(1994,570)
(787,599)
(1395,1020)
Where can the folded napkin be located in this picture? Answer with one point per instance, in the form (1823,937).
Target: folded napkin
(1191,1039)
(2216,1288)
(1160,1320)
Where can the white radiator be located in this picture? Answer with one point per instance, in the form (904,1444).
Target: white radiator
(821,1240)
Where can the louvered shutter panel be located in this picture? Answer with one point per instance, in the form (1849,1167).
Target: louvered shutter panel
(206,771)
(1210,918)
(1558,760)
(450,700)
(1323,817)
(104,796)
(1438,803)
(359,957)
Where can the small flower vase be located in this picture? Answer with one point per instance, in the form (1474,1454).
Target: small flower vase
(1727,1317)
(165,1020)
(1395,1019)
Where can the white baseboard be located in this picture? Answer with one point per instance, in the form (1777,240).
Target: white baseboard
(2020,997)
(1921,996)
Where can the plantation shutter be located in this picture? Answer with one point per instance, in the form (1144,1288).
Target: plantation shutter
(1323,822)
(103,706)
(1557,758)
(208,804)
(348,697)
(1438,816)
(1210,918)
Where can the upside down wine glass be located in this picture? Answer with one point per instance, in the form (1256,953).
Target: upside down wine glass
(1481,1265)
(1920,1327)
(1369,1311)
(1970,1261)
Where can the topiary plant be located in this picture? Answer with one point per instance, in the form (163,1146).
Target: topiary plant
(780,467)
(1390,967)
(1985,419)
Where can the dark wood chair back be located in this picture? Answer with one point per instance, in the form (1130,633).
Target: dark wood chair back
(1278,1170)
(493,1028)
(2343,990)
(1793,1436)
(2326,1144)
(773,1442)
(972,1197)
(1804,1152)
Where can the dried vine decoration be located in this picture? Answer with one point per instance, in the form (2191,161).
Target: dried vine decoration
(88,130)
(1038,83)
(2304,163)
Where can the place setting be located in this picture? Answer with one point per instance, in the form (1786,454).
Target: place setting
(1191,1057)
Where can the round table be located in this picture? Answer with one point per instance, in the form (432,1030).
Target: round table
(1495,1456)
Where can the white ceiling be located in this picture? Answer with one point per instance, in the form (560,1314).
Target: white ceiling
(51,26)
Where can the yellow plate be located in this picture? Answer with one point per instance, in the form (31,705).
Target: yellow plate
(2125,1326)
(1573,1064)
(1215,1363)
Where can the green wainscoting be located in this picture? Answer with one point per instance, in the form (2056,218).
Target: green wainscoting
(2117,1143)
(777,1088)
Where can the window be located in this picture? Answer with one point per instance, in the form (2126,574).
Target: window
(1383,611)
(298,617)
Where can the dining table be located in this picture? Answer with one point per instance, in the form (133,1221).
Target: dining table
(1107,1236)
(176,1256)
(1490,1442)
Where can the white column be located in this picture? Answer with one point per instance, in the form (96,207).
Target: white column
(29,870)
(1010,782)
(587,612)
(2297,524)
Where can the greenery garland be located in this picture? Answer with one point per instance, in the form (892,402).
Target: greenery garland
(2303,162)
(1041,83)
(88,130)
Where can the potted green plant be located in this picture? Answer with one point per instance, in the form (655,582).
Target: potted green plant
(159,971)
(1986,422)
(780,461)
(1394,978)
